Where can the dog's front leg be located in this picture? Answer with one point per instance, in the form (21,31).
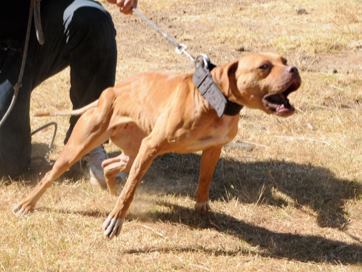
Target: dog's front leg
(208,163)
(148,151)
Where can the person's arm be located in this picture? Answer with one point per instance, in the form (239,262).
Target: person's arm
(125,6)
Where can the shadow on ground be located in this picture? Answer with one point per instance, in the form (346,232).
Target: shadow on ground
(305,248)
(248,182)
(251,182)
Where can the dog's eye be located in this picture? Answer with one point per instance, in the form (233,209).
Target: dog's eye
(265,66)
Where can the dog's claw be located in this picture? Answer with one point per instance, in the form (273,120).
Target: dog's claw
(202,207)
(112,226)
(22,209)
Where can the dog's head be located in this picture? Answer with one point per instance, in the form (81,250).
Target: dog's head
(261,81)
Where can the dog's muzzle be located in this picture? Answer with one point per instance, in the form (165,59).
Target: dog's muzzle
(278,103)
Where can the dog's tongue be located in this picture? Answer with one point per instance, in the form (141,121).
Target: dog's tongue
(282,109)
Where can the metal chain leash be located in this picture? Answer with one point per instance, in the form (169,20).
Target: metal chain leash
(180,48)
(200,61)
(202,77)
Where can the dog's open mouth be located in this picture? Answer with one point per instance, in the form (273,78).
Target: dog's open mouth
(279,103)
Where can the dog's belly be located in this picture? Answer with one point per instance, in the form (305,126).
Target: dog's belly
(128,134)
(128,137)
(202,144)
(205,137)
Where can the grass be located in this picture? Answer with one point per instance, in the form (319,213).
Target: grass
(290,201)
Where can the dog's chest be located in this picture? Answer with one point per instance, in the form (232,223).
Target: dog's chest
(218,133)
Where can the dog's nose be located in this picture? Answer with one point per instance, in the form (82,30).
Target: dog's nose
(293,70)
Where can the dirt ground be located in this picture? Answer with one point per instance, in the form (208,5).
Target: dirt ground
(287,193)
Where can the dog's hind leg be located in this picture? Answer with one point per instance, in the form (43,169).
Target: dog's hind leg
(28,203)
(70,155)
(127,136)
(89,132)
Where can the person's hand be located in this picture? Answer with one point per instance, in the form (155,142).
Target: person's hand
(125,6)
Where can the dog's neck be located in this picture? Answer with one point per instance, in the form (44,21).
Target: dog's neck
(226,84)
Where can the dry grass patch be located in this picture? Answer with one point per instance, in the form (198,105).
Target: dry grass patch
(287,193)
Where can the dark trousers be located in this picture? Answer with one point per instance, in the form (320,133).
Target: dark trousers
(78,33)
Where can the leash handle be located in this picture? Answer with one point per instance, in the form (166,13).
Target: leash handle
(180,48)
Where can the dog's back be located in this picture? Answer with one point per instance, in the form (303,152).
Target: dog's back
(146,97)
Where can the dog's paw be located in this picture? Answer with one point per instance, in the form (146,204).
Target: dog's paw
(112,226)
(202,207)
(23,209)
(112,189)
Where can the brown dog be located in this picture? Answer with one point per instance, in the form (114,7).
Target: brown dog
(153,114)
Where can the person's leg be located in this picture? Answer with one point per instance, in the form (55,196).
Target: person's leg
(41,63)
(92,54)
(79,33)
(15,147)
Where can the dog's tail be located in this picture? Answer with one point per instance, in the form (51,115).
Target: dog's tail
(67,113)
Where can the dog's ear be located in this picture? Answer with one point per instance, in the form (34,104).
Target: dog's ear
(231,73)
(226,78)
